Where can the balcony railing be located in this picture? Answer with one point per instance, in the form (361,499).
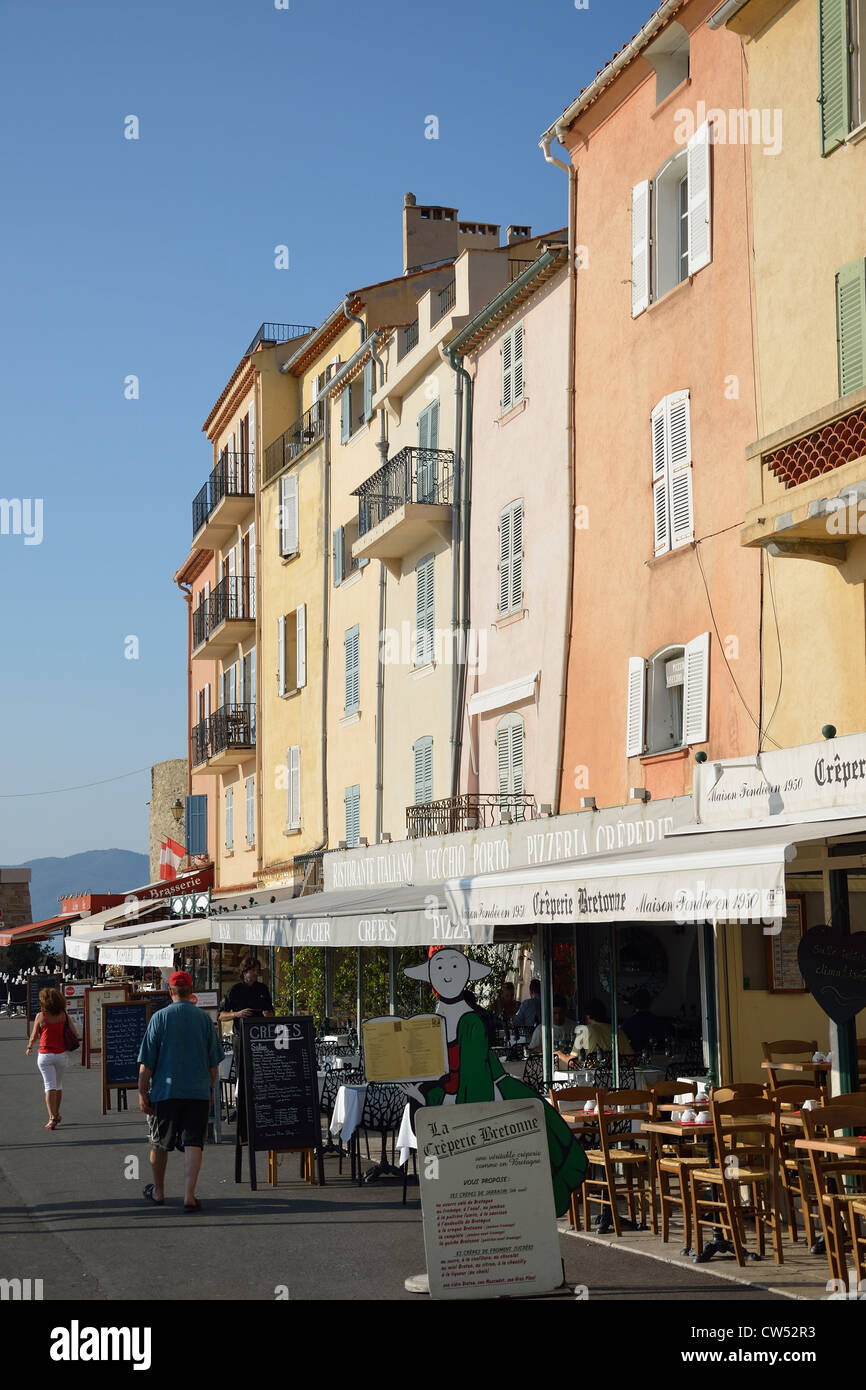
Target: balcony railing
(444,301)
(278,333)
(516,268)
(234,597)
(413,475)
(294,441)
(469,811)
(201,742)
(407,338)
(234,476)
(231,726)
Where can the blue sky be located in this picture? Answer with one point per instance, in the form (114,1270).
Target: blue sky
(155,257)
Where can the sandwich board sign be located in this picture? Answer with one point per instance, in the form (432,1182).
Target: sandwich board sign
(487,1200)
(123,1028)
(279,1090)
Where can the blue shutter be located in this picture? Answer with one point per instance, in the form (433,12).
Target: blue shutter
(424,611)
(423,750)
(338,555)
(251,810)
(196,825)
(352,680)
(353,815)
(368,389)
(345,414)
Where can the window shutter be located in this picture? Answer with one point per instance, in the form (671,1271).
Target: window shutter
(352,682)
(428,438)
(504,560)
(424,610)
(634,738)
(230,817)
(433,442)
(353,816)
(251,446)
(851,325)
(516,556)
(517,364)
(640,248)
(661,521)
(503,757)
(700,232)
(834,93)
(251,810)
(253,677)
(281,655)
(196,824)
(339,550)
(680,469)
(290,515)
(301,645)
(293,769)
(368,389)
(423,751)
(506,353)
(207,701)
(517,757)
(251,534)
(696,685)
(345,413)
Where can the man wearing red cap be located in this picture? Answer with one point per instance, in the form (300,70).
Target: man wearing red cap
(177,1070)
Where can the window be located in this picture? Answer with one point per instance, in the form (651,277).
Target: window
(668,698)
(251,810)
(671,235)
(196,825)
(292,651)
(509,758)
(511,558)
(851,326)
(356,404)
(287,519)
(428,463)
(511,355)
(344,562)
(842,69)
(353,816)
(671,435)
(669,55)
(350,643)
(423,752)
(293,783)
(230,817)
(424,611)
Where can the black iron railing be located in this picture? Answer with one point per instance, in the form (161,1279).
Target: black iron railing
(201,742)
(278,333)
(413,475)
(407,338)
(234,476)
(469,811)
(516,268)
(231,726)
(444,301)
(233,598)
(294,441)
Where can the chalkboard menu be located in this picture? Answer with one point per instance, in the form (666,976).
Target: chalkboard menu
(281,1089)
(123,1030)
(157,999)
(35,983)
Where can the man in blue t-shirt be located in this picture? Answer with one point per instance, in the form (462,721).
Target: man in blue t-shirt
(177,1070)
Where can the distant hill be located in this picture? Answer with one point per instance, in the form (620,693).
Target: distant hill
(95,871)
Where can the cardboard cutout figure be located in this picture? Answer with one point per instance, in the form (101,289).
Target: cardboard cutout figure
(474,1074)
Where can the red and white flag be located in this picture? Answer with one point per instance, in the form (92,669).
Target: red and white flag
(170,856)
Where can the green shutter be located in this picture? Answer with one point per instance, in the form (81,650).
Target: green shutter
(851,326)
(835,95)
(338,555)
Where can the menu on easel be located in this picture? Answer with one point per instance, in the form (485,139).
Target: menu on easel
(280,1089)
(123,1028)
(94,998)
(405,1049)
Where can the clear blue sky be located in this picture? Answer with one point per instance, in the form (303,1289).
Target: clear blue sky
(155,257)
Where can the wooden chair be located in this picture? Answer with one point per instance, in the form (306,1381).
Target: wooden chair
(794,1170)
(741,1090)
(671,1158)
(747,1154)
(565,1099)
(615,1140)
(857,1213)
(839,1182)
(792,1050)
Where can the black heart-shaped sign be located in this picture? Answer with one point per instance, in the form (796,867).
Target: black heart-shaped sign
(834,968)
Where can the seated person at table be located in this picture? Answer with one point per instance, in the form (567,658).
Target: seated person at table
(529,1013)
(561,1029)
(595,1033)
(643,1028)
(504,1006)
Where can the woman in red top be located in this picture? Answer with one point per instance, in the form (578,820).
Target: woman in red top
(49,1026)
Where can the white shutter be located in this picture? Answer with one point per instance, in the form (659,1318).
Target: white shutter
(230,818)
(207,701)
(252,446)
(301,645)
(252,550)
(640,248)
(517,555)
(700,233)
(503,758)
(289,515)
(506,353)
(293,770)
(517,757)
(696,686)
(661,520)
(680,469)
(281,655)
(251,812)
(504,560)
(282,516)
(517,364)
(634,738)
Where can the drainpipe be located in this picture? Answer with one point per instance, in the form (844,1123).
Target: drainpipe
(186,590)
(570,455)
(463,475)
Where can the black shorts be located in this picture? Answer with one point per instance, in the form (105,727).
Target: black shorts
(184,1120)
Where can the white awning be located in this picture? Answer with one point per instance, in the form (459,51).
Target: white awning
(498,696)
(158,947)
(393,916)
(85,947)
(127,912)
(734,875)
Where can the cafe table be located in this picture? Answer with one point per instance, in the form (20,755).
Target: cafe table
(347,1112)
(846,1147)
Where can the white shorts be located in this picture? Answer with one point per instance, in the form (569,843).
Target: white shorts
(52,1066)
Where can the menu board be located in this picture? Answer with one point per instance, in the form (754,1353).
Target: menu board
(280,1087)
(123,1029)
(94,998)
(157,999)
(74,997)
(783,970)
(487,1200)
(405,1049)
(35,983)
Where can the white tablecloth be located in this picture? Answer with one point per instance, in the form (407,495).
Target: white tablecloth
(406,1140)
(348,1109)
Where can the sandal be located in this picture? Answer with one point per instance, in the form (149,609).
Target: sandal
(149,1197)
(52,1124)
(192,1206)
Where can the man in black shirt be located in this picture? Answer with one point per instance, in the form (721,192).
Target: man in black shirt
(247,999)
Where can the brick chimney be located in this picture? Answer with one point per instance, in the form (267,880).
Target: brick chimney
(429,234)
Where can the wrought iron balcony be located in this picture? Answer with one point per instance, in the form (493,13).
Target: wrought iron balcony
(230,729)
(294,441)
(413,475)
(278,333)
(443,301)
(407,338)
(469,811)
(232,601)
(201,742)
(233,477)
